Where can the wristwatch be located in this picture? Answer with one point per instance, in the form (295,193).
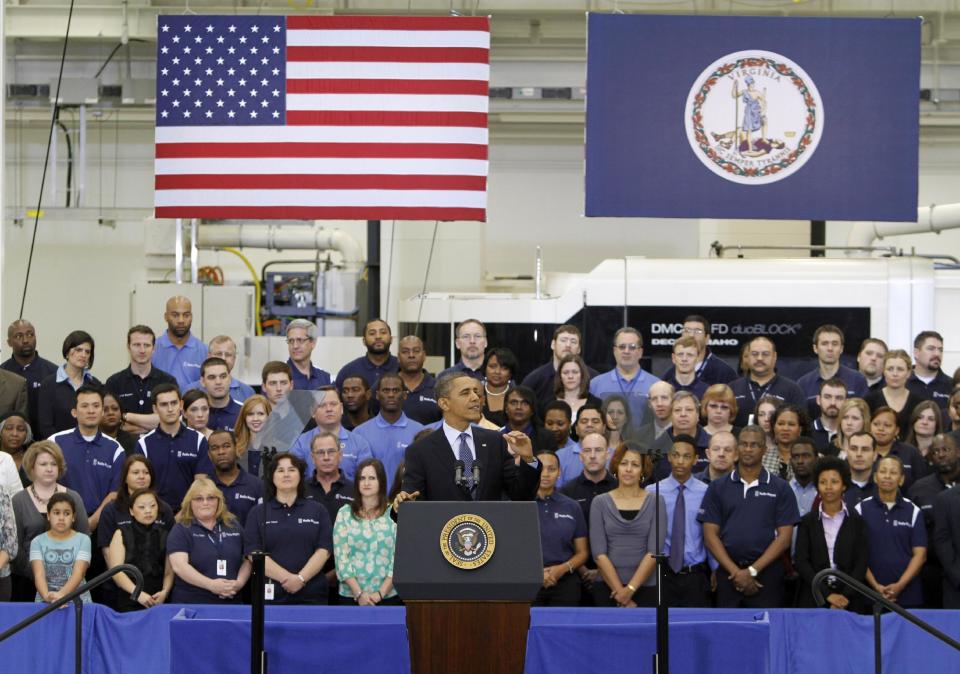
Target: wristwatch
(753,571)
(300,578)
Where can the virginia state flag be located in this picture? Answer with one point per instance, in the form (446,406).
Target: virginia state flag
(742,117)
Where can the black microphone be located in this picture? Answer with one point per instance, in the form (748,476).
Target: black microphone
(458,473)
(476,473)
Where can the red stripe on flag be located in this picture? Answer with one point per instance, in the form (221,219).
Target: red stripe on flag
(390,54)
(378,118)
(336,150)
(322,212)
(319,182)
(480,23)
(360,86)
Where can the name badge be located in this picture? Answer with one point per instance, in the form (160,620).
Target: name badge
(221,567)
(268,591)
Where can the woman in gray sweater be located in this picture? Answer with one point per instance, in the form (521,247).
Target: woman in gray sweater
(623,534)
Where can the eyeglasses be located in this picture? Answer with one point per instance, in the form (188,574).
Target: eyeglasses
(627,347)
(297,341)
(693,331)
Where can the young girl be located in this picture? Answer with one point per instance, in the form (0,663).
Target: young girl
(60,556)
(143,543)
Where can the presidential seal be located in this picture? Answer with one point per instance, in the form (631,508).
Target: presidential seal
(754,117)
(467,541)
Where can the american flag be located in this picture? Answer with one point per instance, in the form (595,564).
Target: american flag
(322,117)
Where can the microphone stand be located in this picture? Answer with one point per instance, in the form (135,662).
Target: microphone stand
(661,658)
(258,578)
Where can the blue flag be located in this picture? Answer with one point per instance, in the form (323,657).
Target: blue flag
(743,117)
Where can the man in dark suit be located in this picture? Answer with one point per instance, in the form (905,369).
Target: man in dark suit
(13,393)
(432,463)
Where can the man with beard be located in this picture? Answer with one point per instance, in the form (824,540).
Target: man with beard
(421,401)
(928,381)
(870,362)
(390,432)
(179,353)
(27,363)
(946,472)
(471,341)
(224,410)
(241,490)
(832,394)
(566,341)
(355,393)
(377,361)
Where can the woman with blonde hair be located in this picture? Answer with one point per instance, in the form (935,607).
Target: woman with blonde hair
(250,421)
(897,367)
(854,417)
(206,549)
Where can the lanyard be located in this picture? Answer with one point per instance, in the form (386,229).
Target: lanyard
(763,389)
(703,364)
(218,543)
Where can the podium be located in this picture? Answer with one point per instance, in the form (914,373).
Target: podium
(467,573)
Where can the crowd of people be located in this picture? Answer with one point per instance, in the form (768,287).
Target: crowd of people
(762,481)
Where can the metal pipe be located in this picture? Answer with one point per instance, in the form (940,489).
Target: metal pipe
(719,248)
(279,237)
(538,278)
(193,250)
(178,252)
(933,218)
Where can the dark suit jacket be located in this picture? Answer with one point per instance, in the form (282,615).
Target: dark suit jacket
(13,393)
(430,467)
(849,554)
(946,533)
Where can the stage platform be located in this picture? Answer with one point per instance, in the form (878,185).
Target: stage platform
(213,639)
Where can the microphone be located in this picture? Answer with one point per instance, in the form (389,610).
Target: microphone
(458,473)
(476,473)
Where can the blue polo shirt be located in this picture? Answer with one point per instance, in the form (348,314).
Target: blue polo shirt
(240,496)
(182,363)
(570,463)
(204,547)
(460,368)
(290,535)
(224,418)
(694,490)
(748,518)
(421,403)
(810,385)
(239,390)
(561,521)
(938,390)
(317,377)
(748,392)
(93,466)
(176,459)
(367,370)
(387,442)
(892,534)
(635,390)
(351,446)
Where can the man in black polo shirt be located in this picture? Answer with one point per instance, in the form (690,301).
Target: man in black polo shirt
(923,492)
(241,490)
(421,401)
(215,377)
(825,426)
(748,521)
(870,362)
(928,381)
(26,362)
(355,394)
(762,380)
(132,386)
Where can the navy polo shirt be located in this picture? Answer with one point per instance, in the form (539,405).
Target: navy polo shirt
(133,391)
(561,521)
(711,370)
(914,465)
(93,467)
(856,493)
(111,519)
(822,439)
(204,547)
(184,362)
(387,441)
(367,370)
(224,418)
(938,390)
(302,382)
(290,535)
(241,495)
(176,459)
(748,521)
(810,385)
(340,494)
(696,387)
(460,368)
(34,372)
(665,443)
(893,533)
(748,392)
(421,403)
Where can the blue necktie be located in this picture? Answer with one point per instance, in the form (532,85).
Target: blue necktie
(464,454)
(678,532)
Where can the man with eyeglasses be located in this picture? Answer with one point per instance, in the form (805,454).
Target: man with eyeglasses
(709,368)
(683,376)
(327,415)
(828,345)
(762,380)
(627,378)
(301,338)
(945,458)
(471,342)
(378,360)
(390,432)
(241,490)
(832,394)
(223,346)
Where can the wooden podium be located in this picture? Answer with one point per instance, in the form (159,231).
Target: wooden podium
(467,573)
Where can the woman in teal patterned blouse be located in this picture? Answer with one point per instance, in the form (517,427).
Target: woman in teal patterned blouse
(364,536)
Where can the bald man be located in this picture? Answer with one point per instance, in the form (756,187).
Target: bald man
(178,352)
(26,362)
(421,401)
